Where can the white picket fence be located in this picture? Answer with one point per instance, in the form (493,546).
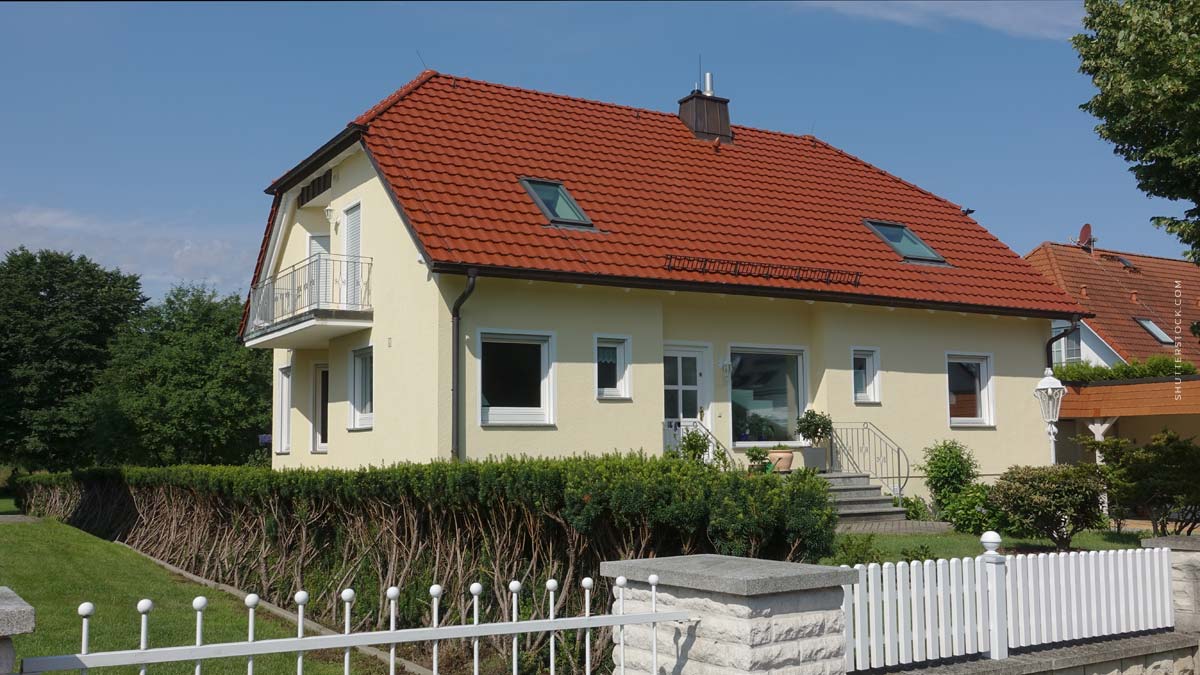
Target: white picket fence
(930,610)
(145,656)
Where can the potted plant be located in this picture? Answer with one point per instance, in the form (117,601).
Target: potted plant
(815,427)
(780,457)
(758,460)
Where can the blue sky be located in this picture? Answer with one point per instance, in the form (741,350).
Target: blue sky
(143,135)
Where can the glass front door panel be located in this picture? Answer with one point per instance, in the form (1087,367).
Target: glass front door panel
(681,387)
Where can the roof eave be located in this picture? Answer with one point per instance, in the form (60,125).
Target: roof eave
(332,148)
(739,289)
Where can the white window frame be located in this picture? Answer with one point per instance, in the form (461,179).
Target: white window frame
(319,448)
(1154,330)
(986,389)
(874,392)
(360,421)
(497,416)
(802,403)
(283,423)
(624,347)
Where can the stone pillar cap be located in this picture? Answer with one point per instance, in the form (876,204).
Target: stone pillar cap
(16,616)
(1176,543)
(730,574)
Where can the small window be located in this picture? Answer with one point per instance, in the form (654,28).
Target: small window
(555,202)
(612,367)
(515,382)
(1158,333)
(320,411)
(362,386)
(865,364)
(970,384)
(905,242)
(283,419)
(1068,349)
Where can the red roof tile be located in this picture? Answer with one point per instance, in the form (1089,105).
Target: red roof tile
(1117,295)
(453,150)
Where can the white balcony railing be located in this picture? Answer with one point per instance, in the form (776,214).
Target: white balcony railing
(320,282)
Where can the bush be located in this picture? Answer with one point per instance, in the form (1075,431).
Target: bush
(949,468)
(411,525)
(855,550)
(1159,365)
(1056,502)
(915,508)
(1160,478)
(970,511)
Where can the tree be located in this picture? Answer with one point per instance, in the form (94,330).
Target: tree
(58,312)
(1144,58)
(1159,478)
(181,388)
(1056,502)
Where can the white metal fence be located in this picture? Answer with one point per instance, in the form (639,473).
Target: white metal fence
(938,609)
(145,656)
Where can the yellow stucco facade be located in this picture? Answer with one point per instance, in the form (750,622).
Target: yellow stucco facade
(410,336)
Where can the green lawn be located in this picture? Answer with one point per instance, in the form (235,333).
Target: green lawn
(55,567)
(8,506)
(955,545)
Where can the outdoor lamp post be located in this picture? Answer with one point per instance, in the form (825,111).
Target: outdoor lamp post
(1049,393)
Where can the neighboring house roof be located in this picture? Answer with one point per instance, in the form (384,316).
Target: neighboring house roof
(1118,294)
(453,149)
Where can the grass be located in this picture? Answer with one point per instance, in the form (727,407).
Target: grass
(55,567)
(955,545)
(8,506)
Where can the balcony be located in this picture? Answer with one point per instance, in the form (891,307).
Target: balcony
(307,304)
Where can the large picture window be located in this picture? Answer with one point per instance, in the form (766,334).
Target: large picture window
(515,382)
(969,379)
(766,394)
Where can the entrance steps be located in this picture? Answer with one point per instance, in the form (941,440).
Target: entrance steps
(858,501)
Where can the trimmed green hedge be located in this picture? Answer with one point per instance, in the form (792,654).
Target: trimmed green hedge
(1159,365)
(273,532)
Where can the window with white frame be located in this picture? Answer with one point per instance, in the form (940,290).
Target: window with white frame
(1068,349)
(283,416)
(969,379)
(865,366)
(516,387)
(767,395)
(612,367)
(362,383)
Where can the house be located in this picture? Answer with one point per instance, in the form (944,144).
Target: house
(470,269)
(1141,306)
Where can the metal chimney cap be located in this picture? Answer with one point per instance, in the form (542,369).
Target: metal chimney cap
(708,84)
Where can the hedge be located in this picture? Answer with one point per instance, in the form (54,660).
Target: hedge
(274,532)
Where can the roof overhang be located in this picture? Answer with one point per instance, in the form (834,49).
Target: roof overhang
(323,155)
(744,289)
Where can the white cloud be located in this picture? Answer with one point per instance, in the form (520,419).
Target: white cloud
(1045,19)
(162,253)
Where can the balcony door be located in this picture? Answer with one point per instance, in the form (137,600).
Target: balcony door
(354,294)
(319,270)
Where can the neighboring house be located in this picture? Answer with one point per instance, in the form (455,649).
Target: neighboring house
(471,269)
(1141,306)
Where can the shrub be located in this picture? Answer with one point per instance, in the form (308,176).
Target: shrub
(1159,365)
(970,511)
(855,550)
(1056,502)
(915,508)
(814,426)
(1159,477)
(410,525)
(918,552)
(949,468)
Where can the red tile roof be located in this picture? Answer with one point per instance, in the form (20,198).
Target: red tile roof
(453,149)
(1117,295)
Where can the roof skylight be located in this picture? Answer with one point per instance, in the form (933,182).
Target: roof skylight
(905,242)
(1153,329)
(555,202)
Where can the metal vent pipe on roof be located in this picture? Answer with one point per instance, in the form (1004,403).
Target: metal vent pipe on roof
(708,84)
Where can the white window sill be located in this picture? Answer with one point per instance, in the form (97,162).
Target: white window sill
(283,452)
(857,402)
(358,429)
(971,425)
(543,425)
(324,451)
(770,444)
(617,398)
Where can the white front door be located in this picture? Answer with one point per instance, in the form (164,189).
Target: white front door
(684,386)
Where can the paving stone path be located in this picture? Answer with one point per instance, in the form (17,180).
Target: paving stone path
(894,527)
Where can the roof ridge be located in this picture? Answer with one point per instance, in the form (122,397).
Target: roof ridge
(1124,253)
(394,97)
(1052,259)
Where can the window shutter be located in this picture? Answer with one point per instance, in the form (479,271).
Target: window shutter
(318,244)
(353,244)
